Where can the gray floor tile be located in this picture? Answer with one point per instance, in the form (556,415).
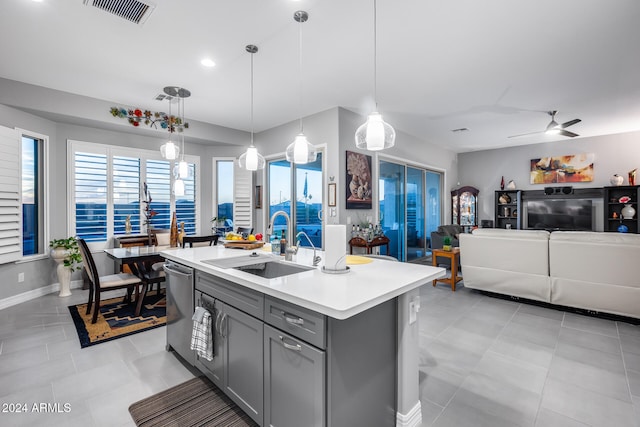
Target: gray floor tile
(547,418)
(523,350)
(547,337)
(464,339)
(478,326)
(630,344)
(586,406)
(596,358)
(590,340)
(628,329)
(632,361)
(634,382)
(597,380)
(36,376)
(430,411)
(590,324)
(439,386)
(541,311)
(11,362)
(443,355)
(458,413)
(91,383)
(32,338)
(512,372)
(536,320)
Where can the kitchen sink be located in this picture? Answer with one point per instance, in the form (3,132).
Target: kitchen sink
(263,265)
(273,269)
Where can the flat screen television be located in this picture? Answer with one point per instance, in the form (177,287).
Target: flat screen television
(554,214)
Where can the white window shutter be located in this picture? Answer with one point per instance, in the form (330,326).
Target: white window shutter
(242,197)
(10,195)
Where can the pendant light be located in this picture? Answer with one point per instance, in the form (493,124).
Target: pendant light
(251,160)
(300,151)
(169,150)
(375,134)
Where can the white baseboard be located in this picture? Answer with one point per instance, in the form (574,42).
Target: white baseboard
(412,419)
(36,293)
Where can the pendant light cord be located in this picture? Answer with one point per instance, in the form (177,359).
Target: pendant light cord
(300,68)
(375,54)
(251,86)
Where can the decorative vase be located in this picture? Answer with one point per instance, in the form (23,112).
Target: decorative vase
(628,212)
(63,272)
(502,183)
(173,236)
(511,185)
(632,177)
(616,180)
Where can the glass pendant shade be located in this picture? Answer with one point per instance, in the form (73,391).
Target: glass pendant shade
(183,170)
(375,134)
(170,151)
(251,160)
(178,187)
(301,151)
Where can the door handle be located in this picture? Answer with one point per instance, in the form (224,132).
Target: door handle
(296,347)
(293,320)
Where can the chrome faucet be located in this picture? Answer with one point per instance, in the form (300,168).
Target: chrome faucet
(288,221)
(316,259)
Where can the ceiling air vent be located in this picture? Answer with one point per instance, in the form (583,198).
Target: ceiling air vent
(135,11)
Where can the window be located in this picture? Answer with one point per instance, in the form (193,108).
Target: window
(305,181)
(10,198)
(33,194)
(224,190)
(106,189)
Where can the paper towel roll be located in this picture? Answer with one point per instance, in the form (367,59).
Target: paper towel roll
(335,247)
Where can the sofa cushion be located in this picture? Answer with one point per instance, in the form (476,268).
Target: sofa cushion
(512,234)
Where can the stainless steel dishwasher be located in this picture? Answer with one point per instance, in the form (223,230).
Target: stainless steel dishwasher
(180,290)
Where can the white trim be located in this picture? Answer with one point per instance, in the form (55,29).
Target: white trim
(412,419)
(35,293)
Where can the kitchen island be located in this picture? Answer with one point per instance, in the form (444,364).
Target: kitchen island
(312,348)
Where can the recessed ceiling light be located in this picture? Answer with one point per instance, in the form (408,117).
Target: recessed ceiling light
(208,62)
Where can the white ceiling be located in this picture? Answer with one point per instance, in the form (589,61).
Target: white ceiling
(492,66)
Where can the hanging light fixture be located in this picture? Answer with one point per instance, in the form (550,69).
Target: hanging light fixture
(169,150)
(301,151)
(251,160)
(375,134)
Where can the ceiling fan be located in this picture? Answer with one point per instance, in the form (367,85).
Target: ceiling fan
(553,128)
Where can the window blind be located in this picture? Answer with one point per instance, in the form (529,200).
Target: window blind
(242,197)
(10,195)
(90,196)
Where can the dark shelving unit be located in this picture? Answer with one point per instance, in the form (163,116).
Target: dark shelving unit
(613,207)
(508,209)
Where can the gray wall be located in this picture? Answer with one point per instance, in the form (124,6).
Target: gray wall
(483,169)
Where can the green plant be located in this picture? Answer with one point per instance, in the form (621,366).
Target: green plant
(219,219)
(446,240)
(73,257)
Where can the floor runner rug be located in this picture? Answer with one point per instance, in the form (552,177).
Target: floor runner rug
(197,402)
(117,319)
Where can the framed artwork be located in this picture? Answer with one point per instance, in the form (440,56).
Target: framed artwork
(359,188)
(332,194)
(562,169)
(258,197)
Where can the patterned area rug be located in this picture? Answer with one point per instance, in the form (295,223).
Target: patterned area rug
(197,402)
(117,320)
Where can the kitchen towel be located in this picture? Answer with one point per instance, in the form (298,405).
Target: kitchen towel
(201,337)
(335,252)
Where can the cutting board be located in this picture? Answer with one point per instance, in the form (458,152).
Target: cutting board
(243,244)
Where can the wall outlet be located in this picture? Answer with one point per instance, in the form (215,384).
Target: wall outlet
(20,277)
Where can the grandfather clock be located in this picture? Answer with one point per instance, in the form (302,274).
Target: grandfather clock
(464,207)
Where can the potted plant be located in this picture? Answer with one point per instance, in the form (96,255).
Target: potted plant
(66,253)
(446,243)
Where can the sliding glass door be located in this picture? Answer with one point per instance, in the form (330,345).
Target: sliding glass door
(410,208)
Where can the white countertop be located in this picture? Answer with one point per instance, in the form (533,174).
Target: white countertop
(336,295)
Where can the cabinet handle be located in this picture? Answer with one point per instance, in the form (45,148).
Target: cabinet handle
(217,324)
(292,319)
(223,328)
(296,347)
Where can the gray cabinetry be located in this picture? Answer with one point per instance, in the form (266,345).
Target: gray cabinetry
(294,381)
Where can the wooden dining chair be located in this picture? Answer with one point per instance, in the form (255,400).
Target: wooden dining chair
(100,284)
(159,237)
(194,241)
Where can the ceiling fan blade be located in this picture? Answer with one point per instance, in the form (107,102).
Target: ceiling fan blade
(525,134)
(569,123)
(567,133)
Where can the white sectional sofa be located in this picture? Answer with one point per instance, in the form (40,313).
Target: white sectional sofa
(587,270)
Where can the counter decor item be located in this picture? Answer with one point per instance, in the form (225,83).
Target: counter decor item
(632,177)
(623,228)
(616,180)
(628,212)
(502,183)
(335,260)
(511,185)
(446,243)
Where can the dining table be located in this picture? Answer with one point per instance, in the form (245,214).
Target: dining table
(140,260)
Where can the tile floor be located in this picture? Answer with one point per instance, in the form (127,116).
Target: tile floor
(483,362)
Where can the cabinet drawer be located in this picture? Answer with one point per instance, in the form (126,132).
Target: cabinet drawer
(244,299)
(298,321)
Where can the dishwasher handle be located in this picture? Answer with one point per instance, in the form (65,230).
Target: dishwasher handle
(169,270)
